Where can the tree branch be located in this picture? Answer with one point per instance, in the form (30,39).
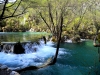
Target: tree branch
(45,21)
(14,15)
(4,8)
(59,38)
(17,7)
(12,4)
(47,63)
(51,18)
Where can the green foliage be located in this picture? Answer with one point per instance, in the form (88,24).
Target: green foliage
(2,23)
(73,13)
(76,39)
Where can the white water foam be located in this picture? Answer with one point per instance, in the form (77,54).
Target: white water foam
(36,58)
(68,41)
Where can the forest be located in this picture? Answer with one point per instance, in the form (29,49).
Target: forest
(80,17)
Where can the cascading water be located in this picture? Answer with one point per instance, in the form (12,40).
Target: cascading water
(73,59)
(31,47)
(34,55)
(7,48)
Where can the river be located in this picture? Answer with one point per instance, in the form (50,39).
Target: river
(73,59)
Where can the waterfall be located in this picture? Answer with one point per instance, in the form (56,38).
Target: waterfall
(35,55)
(8,48)
(29,47)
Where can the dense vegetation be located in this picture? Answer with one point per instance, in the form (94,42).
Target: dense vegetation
(80,17)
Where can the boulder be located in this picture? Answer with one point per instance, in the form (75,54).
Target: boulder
(76,39)
(4,70)
(18,49)
(14,73)
(3,67)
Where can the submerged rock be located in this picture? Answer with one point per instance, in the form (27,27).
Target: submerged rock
(3,67)
(14,73)
(44,38)
(4,70)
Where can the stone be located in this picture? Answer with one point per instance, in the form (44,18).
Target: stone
(3,67)
(14,73)
(18,49)
(4,70)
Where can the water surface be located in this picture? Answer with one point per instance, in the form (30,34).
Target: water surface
(75,59)
(20,36)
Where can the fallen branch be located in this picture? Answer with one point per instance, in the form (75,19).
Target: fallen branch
(47,63)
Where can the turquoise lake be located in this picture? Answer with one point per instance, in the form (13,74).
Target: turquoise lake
(20,36)
(73,59)
(79,59)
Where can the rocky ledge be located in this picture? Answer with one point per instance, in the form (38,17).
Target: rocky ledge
(4,70)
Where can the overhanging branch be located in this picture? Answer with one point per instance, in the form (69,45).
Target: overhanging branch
(45,21)
(17,7)
(12,15)
(4,8)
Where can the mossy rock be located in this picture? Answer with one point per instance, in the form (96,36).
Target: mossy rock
(54,39)
(76,39)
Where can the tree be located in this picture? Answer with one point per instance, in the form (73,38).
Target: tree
(11,9)
(79,11)
(55,21)
(53,60)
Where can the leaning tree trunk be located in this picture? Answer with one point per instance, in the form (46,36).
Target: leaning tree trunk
(53,60)
(50,61)
(59,39)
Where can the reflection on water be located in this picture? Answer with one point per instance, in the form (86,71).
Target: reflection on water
(20,36)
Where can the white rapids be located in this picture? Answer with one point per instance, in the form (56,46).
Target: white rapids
(29,58)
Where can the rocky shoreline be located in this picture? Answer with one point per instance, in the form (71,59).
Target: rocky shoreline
(4,70)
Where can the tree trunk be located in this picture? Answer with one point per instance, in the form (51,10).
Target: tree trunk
(59,39)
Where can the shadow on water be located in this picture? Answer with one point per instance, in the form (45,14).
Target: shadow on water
(76,59)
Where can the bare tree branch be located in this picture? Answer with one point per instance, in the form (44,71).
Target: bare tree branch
(17,7)
(4,8)
(23,12)
(45,21)
(81,17)
(51,17)
(12,4)
(12,14)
